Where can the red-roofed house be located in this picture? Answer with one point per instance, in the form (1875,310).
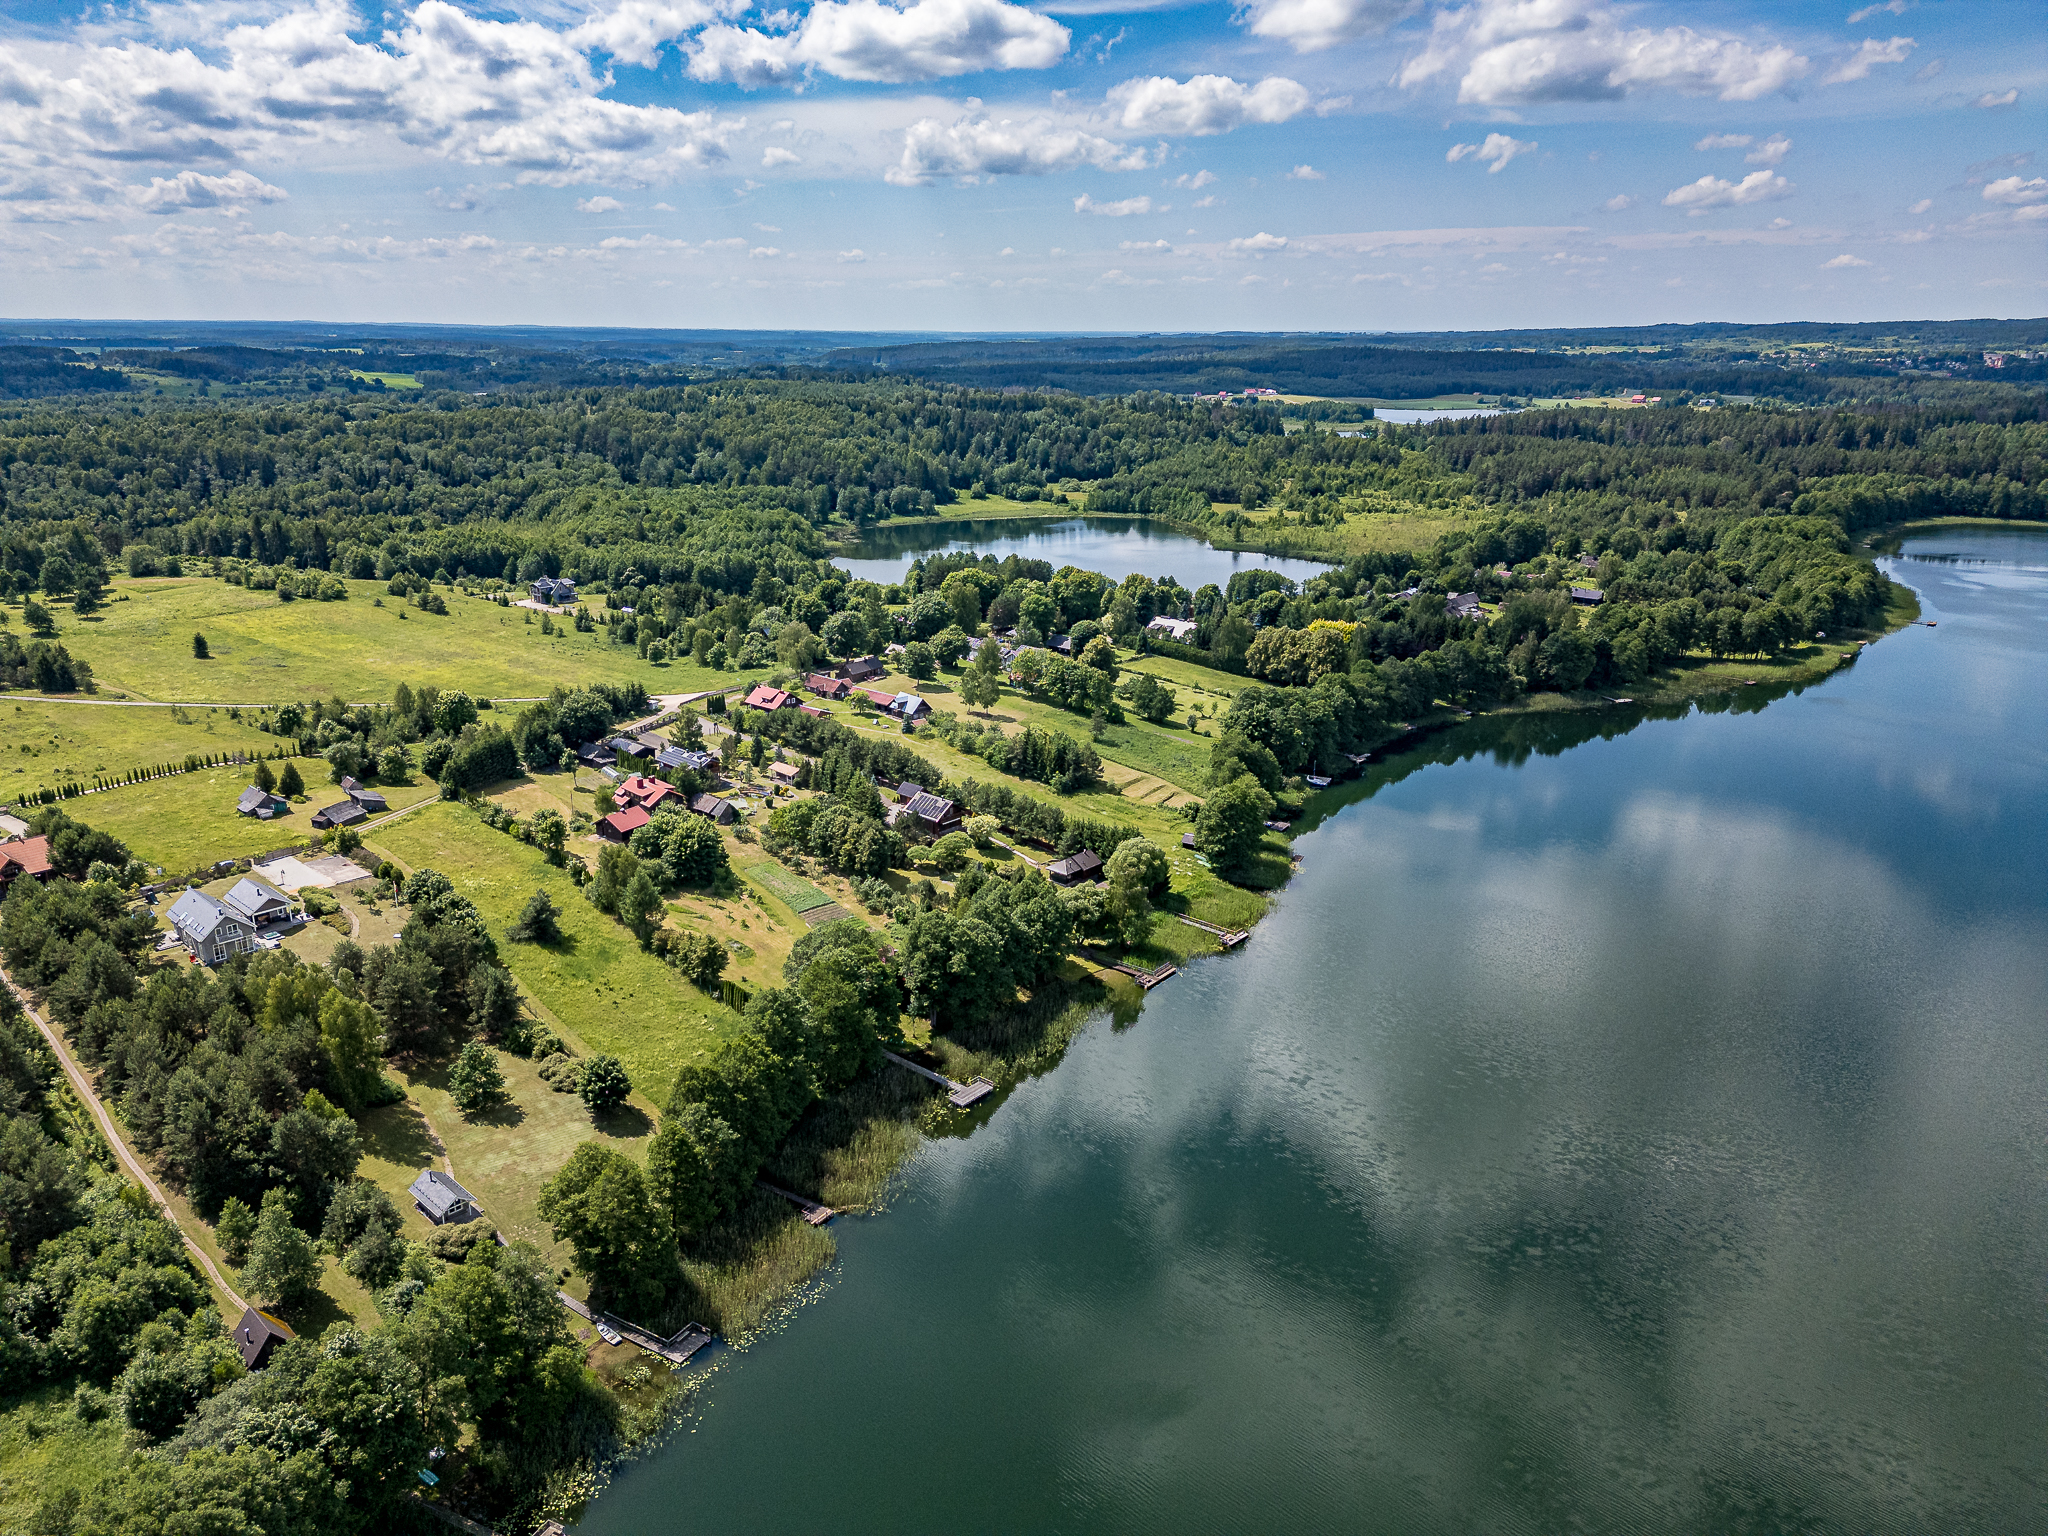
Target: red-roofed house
(24,856)
(879,696)
(764,697)
(812,709)
(621,825)
(642,792)
(828,687)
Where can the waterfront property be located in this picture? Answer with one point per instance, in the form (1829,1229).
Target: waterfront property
(1182,630)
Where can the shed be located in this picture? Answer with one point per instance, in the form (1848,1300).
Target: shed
(1084,865)
(346,814)
(595,755)
(256,1335)
(441,1200)
(862,669)
(262,804)
(720,811)
(1590,596)
(783,773)
(369,799)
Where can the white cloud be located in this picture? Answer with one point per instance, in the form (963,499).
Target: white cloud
(854,256)
(1499,148)
(462,200)
(1196,182)
(634,31)
(1725,141)
(1526,51)
(1144,245)
(1922,206)
(1260,242)
(1991,99)
(985,147)
(1895,7)
(1305,173)
(1713,192)
(868,40)
(1203,105)
(1619,203)
(764,252)
(2011,189)
(1211,201)
(598,205)
(1930,69)
(190,189)
(776,155)
(2030,214)
(1771,152)
(1844,260)
(1122,209)
(1779,224)
(1314,24)
(769,229)
(1868,55)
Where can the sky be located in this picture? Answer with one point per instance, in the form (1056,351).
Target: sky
(983,165)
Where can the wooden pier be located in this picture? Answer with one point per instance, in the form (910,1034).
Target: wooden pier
(676,1349)
(817,1215)
(959,1095)
(1146,979)
(1229,938)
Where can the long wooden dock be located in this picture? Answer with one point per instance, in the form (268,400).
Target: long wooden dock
(1144,978)
(676,1349)
(1229,937)
(817,1215)
(959,1095)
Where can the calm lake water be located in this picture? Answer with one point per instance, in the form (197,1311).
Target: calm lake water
(1115,546)
(1622,1124)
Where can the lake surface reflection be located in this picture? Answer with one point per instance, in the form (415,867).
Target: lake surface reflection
(1115,546)
(1622,1124)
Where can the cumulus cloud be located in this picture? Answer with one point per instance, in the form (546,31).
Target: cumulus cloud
(2011,189)
(1305,173)
(982,146)
(1844,260)
(1619,203)
(1312,24)
(1922,206)
(776,155)
(1868,56)
(598,205)
(635,31)
(1260,242)
(763,252)
(1998,98)
(854,256)
(1144,245)
(1203,104)
(462,200)
(1771,152)
(1122,209)
(191,189)
(1725,141)
(1895,7)
(1499,148)
(1196,182)
(1714,192)
(868,40)
(1511,52)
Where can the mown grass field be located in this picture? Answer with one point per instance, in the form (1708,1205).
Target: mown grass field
(597,985)
(189,820)
(265,651)
(43,743)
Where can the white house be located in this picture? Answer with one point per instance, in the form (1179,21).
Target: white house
(1182,630)
(209,929)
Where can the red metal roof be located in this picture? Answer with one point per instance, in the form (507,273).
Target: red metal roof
(625,823)
(765,697)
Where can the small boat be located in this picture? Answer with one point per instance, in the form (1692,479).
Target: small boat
(609,1335)
(1749,682)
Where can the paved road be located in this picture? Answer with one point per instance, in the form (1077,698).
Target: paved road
(82,1086)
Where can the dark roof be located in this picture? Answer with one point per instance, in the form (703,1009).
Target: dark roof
(712,806)
(345,814)
(862,667)
(928,807)
(195,915)
(1588,595)
(254,799)
(257,1334)
(438,1193)
(368,799)
(1075,866)
(909,791)
(595,754)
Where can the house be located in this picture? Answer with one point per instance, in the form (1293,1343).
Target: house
(669,759)
(908,706)
(642,791)
(441,1200)
(828,687)
(770,699)
(257,904)
(621,825)
(625,746)
(346,814)
(1464,605)
(878,696)
(262,804)
(813,711)
(554,590)
(862,669)
(595,755)
(1590,596)
(1084,865)
(937,814)
(720,811)
(1182,630)
(1062,643)
(209,930)
(1590,562)
(784,773)
(24,856)
(256,1335)
(370,800)
(908,791)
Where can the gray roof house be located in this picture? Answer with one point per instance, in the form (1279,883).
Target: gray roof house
(1085,864)
(441,1199)
(262,804)
(370,800)
(671,758)
(256,1335)
(346,814)
(720,811)
(595,755)
(209,929)
(256,903)
(554,589)
(1463,605)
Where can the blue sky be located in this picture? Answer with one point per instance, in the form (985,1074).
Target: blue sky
(980,164)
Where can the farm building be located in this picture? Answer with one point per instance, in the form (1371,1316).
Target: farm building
(263,804)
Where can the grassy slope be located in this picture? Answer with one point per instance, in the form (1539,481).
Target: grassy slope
(45,1449)
(189,819)
(46,743)
(597,986)
(265,651)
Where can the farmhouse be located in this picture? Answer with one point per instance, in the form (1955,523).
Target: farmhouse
(441,1200)
(256,1335)
(862,669)
(1174,629)
(346,814)
(257,904)
(1084,865)
(1590,596)
(828,687)
(642,791)
(770,699)
(209,930)
(24,856)
(262,804)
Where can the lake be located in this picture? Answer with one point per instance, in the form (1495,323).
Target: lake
(1115,546)
(1622,1124)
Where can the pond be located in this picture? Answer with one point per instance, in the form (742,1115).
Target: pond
(1624,1123)
(1115,546)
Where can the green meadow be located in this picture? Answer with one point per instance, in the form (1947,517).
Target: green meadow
(44,743)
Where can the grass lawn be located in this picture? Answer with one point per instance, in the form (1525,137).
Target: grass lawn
(46,743)
(265,651)
(189,820)
(597,986)
(1191,681)
(45,1449)
(389,380)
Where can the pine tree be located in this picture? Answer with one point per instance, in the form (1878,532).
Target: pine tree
(289,784)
